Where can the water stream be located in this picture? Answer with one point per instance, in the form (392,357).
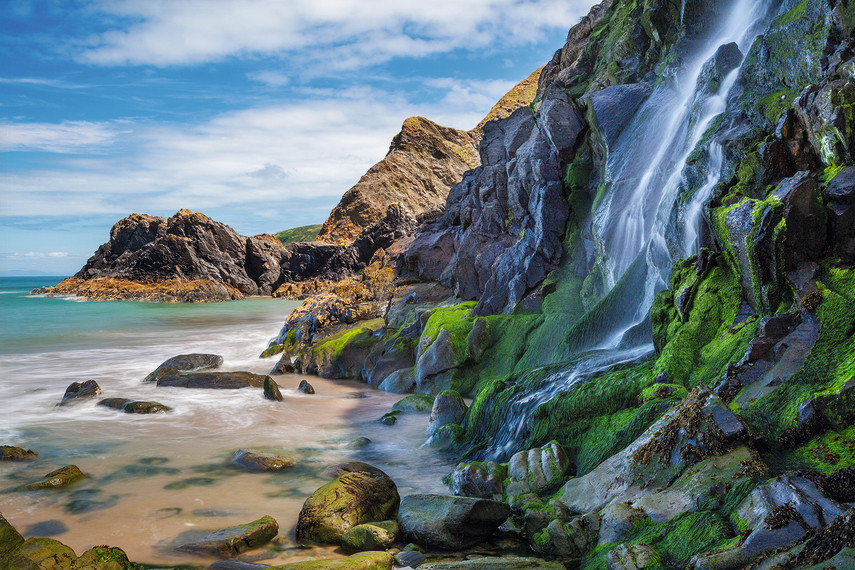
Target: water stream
(643,174)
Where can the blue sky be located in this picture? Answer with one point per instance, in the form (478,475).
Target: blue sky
(259,113)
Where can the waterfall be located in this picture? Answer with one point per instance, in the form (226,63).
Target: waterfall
(643,174)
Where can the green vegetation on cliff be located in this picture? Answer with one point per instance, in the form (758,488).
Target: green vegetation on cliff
(303,233)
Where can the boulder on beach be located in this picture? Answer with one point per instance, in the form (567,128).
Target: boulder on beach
(133,406)
(213,380)
(104,558)
(12,453)
(259,461)
(370,536)
(358,495)
(305,387)
(185,363)
(271,390)
(80,391)
(229,542)
(450,523)
(42,553)
(62,477)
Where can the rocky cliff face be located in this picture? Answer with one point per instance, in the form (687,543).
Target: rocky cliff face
(647,287)
(424,161)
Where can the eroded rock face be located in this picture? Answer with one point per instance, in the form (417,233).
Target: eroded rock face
(424,161)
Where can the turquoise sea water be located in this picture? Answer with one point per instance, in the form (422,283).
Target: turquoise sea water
(158,480)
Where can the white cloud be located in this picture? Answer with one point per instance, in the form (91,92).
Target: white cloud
(65,137)
(339,33)
(37,255)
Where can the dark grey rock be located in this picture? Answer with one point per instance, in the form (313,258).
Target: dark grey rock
(213,380)
(449,523)
(80,391)
(186,363)
(305,387)
(271,390)
(411,559)
(448,408)
(229,542)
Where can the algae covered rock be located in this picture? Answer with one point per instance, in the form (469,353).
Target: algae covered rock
(10,538)
(495,563)
(360,561)
(415,403)
(229,542)
(633,557)
(258,461)
(62,477)
(271,390)
(103,558)
(13,453)
(483,480)
(370,536)
(358,495)
(43,554)
(537,470)
(450,523)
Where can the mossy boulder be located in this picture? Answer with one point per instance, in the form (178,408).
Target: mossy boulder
(258,461)
(13,453)
(229,542)
(43,554)
(415,403)
(484,480)
(537,470)
(358,495)
(10,539)
(185,363)
(450,523)
(361,561)
(145,408)
(103,558)
(370,536)
(62,477)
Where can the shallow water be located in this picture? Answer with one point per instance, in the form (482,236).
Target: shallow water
(158,480)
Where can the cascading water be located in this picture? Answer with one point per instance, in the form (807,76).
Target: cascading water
(643,176)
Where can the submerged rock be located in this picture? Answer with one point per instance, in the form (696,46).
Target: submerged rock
(186,363)
(62,477)
(12,453)
(213,380)
(133,406)
(229,542)
(358,495)
(257,461)
(449,523)
(80,391)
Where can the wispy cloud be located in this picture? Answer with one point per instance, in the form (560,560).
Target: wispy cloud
(37,255)
(41,82)
(341,33)
(64,137)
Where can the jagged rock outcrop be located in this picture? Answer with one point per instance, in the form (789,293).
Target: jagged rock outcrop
(424,161)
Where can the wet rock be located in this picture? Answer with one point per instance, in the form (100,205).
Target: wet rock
(409,558)
(235,565)
(840,207)
(104,558)
(271,390)
(434,364)
(370,536)
(62,477)
(10,539)
(213,380)
(43,553)
(354,497)
(305,387)
(12,453)
(114,403)
(388,357)
(229,542)
(571,538)
(537,470)
(80,391)
(617,520)
(284,366)
(414,403)
(389,418)
(449,523)
(633,557)
(446,437)
(481,480)
(186,363)
(610,110)
(399,382)
(258,461)
(358,443)
(145,408)
(448,408)
(360,561)
(806,238)
(495,563)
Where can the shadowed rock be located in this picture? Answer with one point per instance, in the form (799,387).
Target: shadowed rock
(80,391)
(229,542)
(186,363)
(449,523)
(213,380)
(12,453)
